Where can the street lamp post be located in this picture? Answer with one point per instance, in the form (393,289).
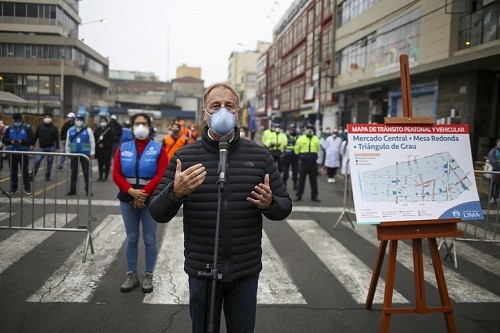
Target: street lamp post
(63,56)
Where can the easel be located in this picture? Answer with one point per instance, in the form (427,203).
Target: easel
(416,231)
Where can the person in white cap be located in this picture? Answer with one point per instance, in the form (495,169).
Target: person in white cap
(70,121)
(117,133)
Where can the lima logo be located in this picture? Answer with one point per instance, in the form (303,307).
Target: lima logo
(127,154)
(472,215)
(151,151)
(456,213)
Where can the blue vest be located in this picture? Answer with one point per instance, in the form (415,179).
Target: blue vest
(127,134)
(79,143)
(18,133)
(138,170)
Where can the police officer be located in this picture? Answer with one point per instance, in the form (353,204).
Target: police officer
(276,142)
(80,140)
(19,137)
(290,158)
(307,148)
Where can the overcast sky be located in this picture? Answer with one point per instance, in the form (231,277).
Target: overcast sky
(159,35)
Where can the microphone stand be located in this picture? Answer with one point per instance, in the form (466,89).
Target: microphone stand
(211,273)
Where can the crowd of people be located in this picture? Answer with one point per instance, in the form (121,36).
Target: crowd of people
(306,155)
(156,179)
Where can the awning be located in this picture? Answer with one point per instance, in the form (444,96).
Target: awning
(7,98)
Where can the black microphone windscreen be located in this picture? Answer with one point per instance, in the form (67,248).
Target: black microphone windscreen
(223,142)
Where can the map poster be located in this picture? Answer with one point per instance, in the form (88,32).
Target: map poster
(412,172)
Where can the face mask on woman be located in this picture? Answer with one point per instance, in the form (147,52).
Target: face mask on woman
(222,122)
(141,132)
(104,123)
(79,123)
(47,120)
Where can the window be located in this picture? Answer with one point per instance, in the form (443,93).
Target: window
(8,9)
(480,26)
(32,10)
(20,10)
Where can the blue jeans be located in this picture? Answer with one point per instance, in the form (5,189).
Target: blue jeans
(62,158)
(132,219)
(39,158)
(238,297)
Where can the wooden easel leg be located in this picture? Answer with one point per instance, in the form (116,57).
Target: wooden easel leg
(418,273)
(376,273)
(389,287)
(443,291)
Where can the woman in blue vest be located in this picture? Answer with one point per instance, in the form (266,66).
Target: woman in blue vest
(138,168)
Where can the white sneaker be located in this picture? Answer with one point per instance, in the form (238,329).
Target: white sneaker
(492,201)
(331,180)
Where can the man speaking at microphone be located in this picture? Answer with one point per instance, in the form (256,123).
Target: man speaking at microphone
(252,187)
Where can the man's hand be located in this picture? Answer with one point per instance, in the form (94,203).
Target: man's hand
(262,196)
(188,180)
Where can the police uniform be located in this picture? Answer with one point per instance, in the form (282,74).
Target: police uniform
(290,159)
(307,148)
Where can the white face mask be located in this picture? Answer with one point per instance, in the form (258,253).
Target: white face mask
(47,120)
(141,132)
(79,123)
(104,123)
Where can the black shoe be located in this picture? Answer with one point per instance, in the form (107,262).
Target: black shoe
(316,200)
(47,178)
(87,193)
(298,198)
(99,179)
(59,168)
(71,192)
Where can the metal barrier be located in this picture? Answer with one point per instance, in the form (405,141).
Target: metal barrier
(48,207)
(481,230)
(348,201)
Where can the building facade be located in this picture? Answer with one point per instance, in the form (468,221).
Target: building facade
(334,62)
(43,61)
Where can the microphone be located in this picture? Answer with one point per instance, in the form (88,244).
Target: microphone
(223,149)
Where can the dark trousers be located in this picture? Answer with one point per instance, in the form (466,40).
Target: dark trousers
(276,154)
(74,171)
(104,163)
(21,161)
(308,168)
(331,172)
(293,162)
(238,297)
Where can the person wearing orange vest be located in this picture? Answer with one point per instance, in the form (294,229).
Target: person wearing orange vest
(193,133)
(174,140)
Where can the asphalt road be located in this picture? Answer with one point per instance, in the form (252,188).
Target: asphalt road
(315,278)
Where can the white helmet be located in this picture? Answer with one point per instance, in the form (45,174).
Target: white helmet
(71,115)
(113,116)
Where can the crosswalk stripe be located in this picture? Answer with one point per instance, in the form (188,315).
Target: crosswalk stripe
(75,281)
(352,273)
(275,284)
(460,289)
(23,241)
(480,258)
(171,282)
(478,231)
